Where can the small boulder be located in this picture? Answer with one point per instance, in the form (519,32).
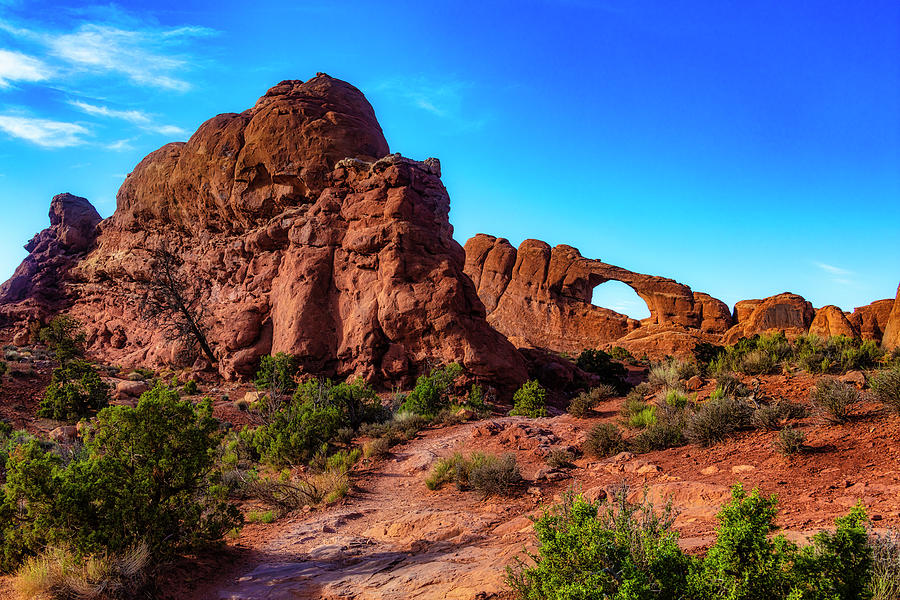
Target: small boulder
(64,434)
(694,383)
(130,389)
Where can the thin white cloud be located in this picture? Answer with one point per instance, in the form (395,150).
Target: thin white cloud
(43,132)
(133,116)
(120,145)
(147,57)
(15,66)
(833,270)
(137,117)
(444,98)
(836,274)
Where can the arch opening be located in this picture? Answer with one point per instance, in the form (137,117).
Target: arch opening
(619,297)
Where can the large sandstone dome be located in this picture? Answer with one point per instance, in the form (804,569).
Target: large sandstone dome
(301,233)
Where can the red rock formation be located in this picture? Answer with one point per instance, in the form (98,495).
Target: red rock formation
(541,297)
(891,338)
(787,313)
(38,283)
(870,320)
(830,321)
(299,241)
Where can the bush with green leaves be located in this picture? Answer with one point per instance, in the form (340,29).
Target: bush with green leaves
(886,387)
(834,400)
(64,337)
(837,354)
(604,439)
(626,551)
(146,474)
(432,391)
(530,400)
(190,387)
(599,551)
(746,562)
(603,366)
(310,422)
(75,391)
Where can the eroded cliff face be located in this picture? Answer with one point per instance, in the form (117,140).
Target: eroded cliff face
(301,233)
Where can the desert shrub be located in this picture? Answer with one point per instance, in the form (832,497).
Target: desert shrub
(146,474)
(530,400)
(676,399)
(309,423)
(286,493)
(604,439)
(593,551)
(789,441)
(620,353)
(644,418)
(757,362)
(834,400)
(495,476)
(664,374)
(705,353)
(190,387)
(377,448)
(559,459)
(276,379)
(584,403)
(837,354)
(666,431)
(431,393)
(772,416)
(715,420)
(746,562)
(603,366)
(886,387)
(634,403)
(64,337)
(731,385)
(277,372)
(63,574)
(885,583)
(75,391)
(488,474)
(476,399)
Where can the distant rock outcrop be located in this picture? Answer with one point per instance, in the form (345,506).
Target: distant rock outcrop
(302,234)
(787,313)
(871,319)
(891,338)
(540,297)
(830,321)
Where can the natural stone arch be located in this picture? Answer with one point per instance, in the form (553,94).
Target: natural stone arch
(620,297)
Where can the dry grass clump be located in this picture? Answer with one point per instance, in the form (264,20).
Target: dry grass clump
(604,440)
(717,419)
(885,583)
(59,574)
(789,441)
(488,474)
(886,387)
(834,400)
(584,403)
(288,494)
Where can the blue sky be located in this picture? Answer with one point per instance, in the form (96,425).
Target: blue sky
(742,148)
